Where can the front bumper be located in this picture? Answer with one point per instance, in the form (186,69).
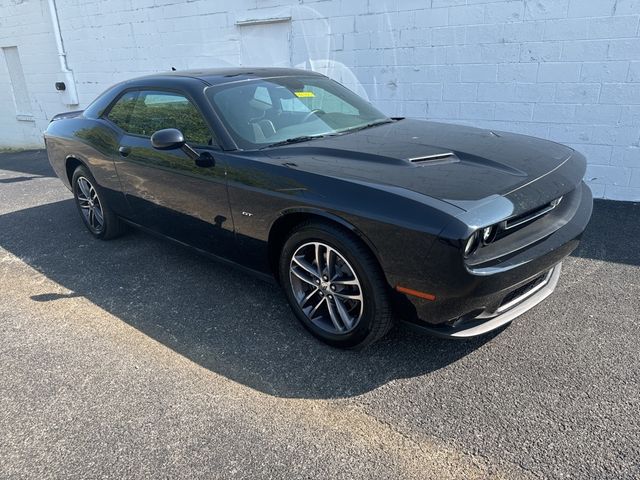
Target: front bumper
(492,319)
(471,301)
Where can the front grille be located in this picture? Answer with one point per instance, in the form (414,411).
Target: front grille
(522,291)
(531,215)
(513,224)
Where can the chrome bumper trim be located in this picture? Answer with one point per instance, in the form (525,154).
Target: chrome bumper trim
(516,307)
(529,293)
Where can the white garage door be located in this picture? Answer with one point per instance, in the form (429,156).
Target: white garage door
(266,44)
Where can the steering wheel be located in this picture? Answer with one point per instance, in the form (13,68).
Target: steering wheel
(315,111)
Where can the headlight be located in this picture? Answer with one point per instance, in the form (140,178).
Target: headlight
(488,234)
(471,245)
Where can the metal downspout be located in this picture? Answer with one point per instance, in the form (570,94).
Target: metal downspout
(69,94)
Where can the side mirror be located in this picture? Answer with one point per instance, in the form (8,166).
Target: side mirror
(170,138)
(167,139)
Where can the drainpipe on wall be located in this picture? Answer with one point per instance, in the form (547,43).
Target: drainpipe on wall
(67,84)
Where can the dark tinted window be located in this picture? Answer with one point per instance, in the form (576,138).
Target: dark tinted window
(145,112)
(121,112)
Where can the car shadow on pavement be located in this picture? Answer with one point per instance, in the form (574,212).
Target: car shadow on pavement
(222,319)
(613,233)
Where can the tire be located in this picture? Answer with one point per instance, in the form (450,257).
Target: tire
(90,201)
(362,309)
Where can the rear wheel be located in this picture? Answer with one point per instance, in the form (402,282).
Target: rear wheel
(335,286)
(99,219)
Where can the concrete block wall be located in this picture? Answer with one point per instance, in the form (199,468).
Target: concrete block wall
(567,70)
(28,26)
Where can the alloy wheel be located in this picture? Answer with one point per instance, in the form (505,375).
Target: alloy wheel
(90,204)
(326,287)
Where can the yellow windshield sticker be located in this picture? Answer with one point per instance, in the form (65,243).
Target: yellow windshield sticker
(304,94)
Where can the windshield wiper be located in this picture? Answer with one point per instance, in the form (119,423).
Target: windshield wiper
(305,138)
(302,138)
(369,125)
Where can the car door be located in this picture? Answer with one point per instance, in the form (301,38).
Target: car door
(166,190)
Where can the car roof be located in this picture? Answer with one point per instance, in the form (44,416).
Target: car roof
(216,76)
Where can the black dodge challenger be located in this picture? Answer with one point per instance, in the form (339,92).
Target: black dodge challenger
(360,217)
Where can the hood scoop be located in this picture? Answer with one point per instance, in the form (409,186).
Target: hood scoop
(438,158)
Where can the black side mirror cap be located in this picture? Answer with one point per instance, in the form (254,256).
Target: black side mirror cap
(167,139)
(170,138)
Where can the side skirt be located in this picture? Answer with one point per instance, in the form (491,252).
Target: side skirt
(225,261)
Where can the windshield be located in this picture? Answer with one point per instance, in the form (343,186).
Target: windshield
(262,112)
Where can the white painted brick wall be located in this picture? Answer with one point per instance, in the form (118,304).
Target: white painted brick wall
(567,70)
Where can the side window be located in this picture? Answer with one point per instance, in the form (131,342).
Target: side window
(121,112)
(154,110)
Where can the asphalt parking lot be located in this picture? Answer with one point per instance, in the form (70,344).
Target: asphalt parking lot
(138,359)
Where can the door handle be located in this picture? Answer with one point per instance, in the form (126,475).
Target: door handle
(124,151)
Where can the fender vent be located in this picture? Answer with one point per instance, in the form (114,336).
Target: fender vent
(438,157)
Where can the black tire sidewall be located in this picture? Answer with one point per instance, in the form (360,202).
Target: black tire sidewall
(346,246)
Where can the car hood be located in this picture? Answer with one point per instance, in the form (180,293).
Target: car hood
(453,163)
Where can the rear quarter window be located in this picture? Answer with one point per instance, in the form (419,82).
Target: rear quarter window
(120,113)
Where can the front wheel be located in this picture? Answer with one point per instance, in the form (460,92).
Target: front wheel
(335,286)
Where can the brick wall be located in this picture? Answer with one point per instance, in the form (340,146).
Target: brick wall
(567,70)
